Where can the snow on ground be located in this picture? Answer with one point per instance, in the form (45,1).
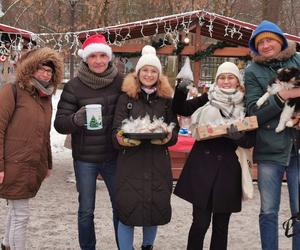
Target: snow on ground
(53,223)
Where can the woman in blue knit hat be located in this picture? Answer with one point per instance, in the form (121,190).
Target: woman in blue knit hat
(275,153)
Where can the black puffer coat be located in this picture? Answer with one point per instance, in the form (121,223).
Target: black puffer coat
(211,176)
(88,145)
(144,179)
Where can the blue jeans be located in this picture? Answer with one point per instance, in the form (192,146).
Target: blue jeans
(125,236)
(269,185)
(86,175)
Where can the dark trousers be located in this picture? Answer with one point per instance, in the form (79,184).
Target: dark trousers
(86,175)
(201,221)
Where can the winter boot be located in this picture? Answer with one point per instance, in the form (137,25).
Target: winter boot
(148,247)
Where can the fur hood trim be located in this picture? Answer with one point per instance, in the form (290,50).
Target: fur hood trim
(31,60)
(132,87)
(283,55)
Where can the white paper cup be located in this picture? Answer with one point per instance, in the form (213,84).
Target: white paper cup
(94,116)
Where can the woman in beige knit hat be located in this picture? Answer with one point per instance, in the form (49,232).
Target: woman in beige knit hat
(144,177)
(211,176)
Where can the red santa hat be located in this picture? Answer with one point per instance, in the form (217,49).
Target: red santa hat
(95,43)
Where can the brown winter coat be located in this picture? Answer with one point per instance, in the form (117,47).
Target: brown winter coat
(25,151)
(144,179)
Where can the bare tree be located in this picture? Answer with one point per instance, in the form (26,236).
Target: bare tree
(294,20)
(271,10)
(8,8)
(47,16)
(291,13)
(103,17)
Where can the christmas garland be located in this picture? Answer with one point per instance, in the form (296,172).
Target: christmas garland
(127,55)
(160,43)
(210,50)
(180,46)
(156,44)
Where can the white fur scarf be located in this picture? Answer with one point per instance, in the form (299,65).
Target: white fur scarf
(224,106)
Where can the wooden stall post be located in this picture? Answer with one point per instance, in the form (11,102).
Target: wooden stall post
(197,48)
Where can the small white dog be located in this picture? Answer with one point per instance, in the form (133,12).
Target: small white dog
(287,78)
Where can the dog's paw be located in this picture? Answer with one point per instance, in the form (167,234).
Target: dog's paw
(279,129)
(259,103)
(290,123)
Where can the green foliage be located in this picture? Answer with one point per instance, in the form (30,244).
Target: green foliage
(180,46)
(209,50)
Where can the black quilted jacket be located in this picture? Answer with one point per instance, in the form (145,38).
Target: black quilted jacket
(88,145)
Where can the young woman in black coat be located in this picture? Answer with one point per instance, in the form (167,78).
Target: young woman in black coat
(143,185)
(211,177)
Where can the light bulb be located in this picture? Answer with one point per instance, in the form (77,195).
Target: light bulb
(186,40)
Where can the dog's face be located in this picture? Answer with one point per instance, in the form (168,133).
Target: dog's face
(289,75)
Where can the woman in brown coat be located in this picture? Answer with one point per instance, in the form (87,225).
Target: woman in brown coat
(25,151)
(144,179)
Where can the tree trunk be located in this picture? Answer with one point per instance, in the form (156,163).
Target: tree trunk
(271,10)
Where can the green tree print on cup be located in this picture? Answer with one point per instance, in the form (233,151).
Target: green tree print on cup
(94,123)
(94,116)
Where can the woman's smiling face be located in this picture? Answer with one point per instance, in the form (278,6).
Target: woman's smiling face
(148,76)
(227,81)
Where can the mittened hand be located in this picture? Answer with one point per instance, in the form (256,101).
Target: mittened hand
(79,117)
(162,141)
(126,142)
(233,133)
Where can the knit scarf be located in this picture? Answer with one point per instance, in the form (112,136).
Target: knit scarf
(95,80)
(224,106)
(149,91)
(228,101)
(44,88)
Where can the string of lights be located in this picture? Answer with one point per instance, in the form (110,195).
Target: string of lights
(169,28)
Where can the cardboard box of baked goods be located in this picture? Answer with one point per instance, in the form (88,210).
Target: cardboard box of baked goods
(209,132)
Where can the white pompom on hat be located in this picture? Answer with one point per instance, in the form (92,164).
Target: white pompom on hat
(148,58)
(95,43)
(229,67)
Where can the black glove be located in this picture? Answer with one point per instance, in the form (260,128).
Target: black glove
(183,85)
(79,117)
(233,133)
